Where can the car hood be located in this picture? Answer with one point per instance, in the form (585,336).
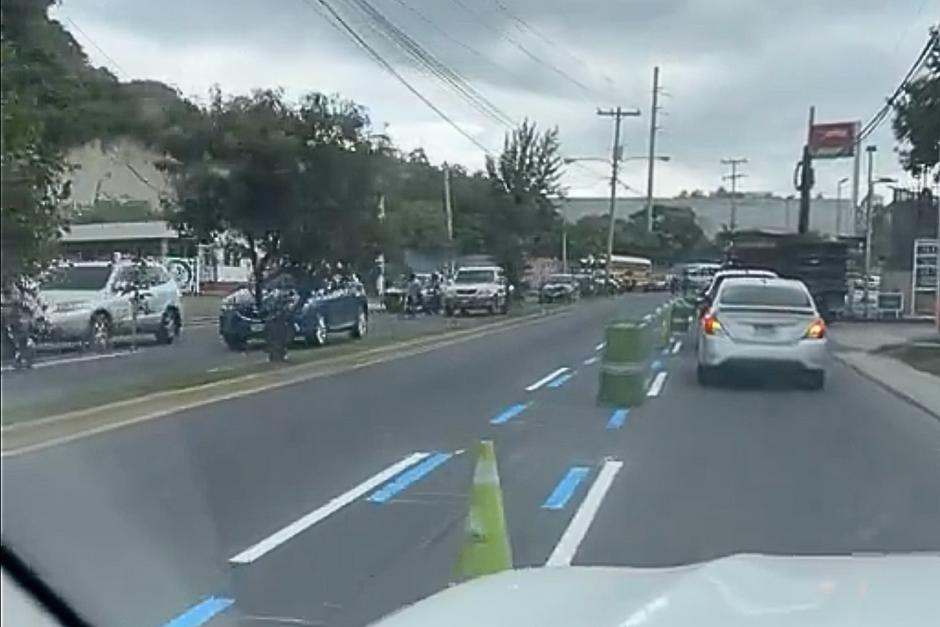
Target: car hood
(728,592)
(557,286)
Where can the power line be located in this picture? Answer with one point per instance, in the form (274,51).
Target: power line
(100,50)
(882,113)
(373,54)
(430,63)
(515,43)
(523,26)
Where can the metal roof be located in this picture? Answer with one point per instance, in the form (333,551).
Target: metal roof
(119,231)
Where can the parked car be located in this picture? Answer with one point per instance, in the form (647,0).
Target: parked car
(92,302)
(317,307)
(479,288)
(763,324)
(557,288)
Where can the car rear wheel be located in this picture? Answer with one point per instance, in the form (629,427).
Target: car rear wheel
(319,335)
(99,332)
(706,375)
(234,342)
(362,325)
(169,328)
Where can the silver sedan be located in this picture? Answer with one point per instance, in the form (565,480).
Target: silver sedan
(763,324)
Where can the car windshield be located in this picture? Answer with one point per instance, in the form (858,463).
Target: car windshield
(764,295)
(90,278)
(560,278)
(475,276)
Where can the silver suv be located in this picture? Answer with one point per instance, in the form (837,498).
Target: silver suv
(477,287)
(92,302)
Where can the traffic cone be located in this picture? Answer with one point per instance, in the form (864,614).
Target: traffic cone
(486,547)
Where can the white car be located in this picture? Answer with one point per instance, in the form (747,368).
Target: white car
(92,302)
(763,324)
(477,287)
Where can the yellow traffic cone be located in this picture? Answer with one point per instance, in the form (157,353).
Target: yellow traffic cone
(486,548)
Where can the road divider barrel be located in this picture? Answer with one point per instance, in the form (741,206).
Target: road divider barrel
(486,547)
(681,316)
(625,363)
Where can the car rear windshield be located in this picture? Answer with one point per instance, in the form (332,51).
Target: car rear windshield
(757,295)
(474,276)
(78,278)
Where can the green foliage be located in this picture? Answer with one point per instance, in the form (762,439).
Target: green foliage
(113,210)
(917,116)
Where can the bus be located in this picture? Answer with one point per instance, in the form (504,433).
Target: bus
(633,273)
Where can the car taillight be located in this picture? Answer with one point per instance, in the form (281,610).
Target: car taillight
(710,324)
(816,330)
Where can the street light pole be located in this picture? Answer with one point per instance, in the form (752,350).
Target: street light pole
(652,156)
(871,190)
(618,114)
(839,185)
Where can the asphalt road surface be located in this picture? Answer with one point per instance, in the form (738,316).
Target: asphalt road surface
(66,373)
(266,506)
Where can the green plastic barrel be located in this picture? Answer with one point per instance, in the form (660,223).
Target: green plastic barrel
(624,370)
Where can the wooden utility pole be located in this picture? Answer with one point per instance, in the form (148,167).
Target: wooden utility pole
(616,152)
(733,177)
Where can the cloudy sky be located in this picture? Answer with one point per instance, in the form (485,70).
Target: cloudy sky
(739,74)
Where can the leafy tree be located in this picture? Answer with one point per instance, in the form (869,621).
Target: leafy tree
(917,116)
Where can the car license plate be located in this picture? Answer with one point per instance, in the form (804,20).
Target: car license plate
(257,327)
(764,329)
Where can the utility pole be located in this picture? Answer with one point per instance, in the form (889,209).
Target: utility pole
(871,192)
(652,156)
(806,177)
(618,114)
(856,171)
(380,259)
(448,214)
(733,177)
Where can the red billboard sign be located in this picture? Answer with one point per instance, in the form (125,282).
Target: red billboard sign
(832,141)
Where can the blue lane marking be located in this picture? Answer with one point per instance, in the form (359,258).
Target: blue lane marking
(509,414)
(560,381)
(618,418)
(566,487)
(657,365)
(201,613)
(405,479)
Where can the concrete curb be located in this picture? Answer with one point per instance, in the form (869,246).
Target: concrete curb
(845,357)
(42,432)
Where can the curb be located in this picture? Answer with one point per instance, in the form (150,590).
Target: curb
(887,386)
(61,428)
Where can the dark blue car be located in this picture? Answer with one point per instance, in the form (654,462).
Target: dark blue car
(317,308)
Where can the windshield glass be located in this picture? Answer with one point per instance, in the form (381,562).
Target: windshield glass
(475,276)
(560,278)
(77,278)
(757,295)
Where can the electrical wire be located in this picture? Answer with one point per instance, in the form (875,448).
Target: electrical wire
(376,57)
(879,117)
(524,27)
(100,50)
(518,45)
(430,63)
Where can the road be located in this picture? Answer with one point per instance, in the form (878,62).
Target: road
(60,377)
(235,500)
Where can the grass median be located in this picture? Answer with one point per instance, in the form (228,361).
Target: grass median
(102,393)
(922,355)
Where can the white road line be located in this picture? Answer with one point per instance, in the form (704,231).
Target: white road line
(70,360)
(600,346)
(591,360)
(277,538)
(546,379)
(657,386)
(578,527)
(677,347)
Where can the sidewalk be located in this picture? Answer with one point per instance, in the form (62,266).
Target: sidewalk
(856,346)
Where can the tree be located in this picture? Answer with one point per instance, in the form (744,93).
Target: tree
(526,179)
(917,116)
(31,172)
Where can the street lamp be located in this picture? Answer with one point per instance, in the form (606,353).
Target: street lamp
(839,185)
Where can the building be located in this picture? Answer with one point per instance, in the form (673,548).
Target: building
(754,211)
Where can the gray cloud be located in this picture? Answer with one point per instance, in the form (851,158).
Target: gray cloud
(740,73)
